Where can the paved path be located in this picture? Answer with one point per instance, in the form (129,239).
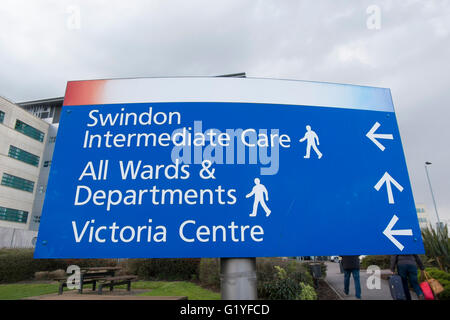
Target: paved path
(336,279)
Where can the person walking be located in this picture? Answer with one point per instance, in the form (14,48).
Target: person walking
(350,264)
(406,266)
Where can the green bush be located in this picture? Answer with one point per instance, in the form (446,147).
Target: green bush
(307,292)
(437,247)
(301,273)
(284,287)
(209,272)
(88,263)
(164,269)
(384,262)
(19,264)
(282,279)
(280,289)
(265,270)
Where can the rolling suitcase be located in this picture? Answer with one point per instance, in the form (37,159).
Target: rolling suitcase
(396,286)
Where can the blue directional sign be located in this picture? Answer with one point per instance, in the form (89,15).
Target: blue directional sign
(223,167)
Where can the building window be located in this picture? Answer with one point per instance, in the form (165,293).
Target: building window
(42,111)
(52,139)
(2,116)
(23,155)
(47,164)
(29,131)
(14,215)
(17,183)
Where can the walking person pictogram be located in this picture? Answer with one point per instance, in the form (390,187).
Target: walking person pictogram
(312,139)
(260,193)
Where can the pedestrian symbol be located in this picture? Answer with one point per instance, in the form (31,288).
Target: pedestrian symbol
(312,141)
(260,192)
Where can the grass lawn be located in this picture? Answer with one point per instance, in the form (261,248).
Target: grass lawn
(156,288)
(19,291)
(179,288)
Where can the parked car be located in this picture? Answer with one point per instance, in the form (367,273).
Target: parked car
(334,258)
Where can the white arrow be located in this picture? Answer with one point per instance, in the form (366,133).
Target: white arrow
(374,136)
(389,233)
(388,180)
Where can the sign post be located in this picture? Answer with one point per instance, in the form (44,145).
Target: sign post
(227,167)
(238,278)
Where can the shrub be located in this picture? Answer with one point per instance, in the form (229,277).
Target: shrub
(307,292)
(300,273)
(384,262)
(164,269)
(283,279)
(285,287)
(60,273)
(41,275)
(265,270)
(209,272)
(438,274)
(281,287)
(437,247)
(444,295)
(19,264)
(87,263)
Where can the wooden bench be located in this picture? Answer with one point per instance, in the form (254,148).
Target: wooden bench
(105,276)
(115,281)
(91,280)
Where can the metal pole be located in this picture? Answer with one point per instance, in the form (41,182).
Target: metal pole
(238,278)
(432,194)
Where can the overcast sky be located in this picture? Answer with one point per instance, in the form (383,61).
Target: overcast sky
(402,45)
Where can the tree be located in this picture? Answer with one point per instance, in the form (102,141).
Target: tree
(437,246)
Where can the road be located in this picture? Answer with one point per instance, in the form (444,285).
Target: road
(336,279)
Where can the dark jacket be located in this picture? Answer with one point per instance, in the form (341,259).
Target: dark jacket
(412,259)
(350,262)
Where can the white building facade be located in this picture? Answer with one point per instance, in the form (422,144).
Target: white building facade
(23,140)
(422,216)
(48,110)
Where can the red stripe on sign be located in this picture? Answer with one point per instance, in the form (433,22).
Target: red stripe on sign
(84,92)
